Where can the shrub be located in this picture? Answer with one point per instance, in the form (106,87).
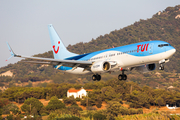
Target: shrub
(33,103)
(134,105)
(10,117)
(69,100)
(147,106)
(44,114)
(83,102)
(139,111)
(99,116)
(62,117)
(99,104)
(132,111)
(21,116)
(90,108)
(75,108)
(43,110)
(124,110)
(55,104)
(78,99)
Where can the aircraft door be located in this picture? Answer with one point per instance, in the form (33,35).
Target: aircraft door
(151,48)
(109,56)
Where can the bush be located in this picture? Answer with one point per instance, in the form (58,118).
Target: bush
(147,106)
(124,110)
(78,99)
(139,111)
(83,102)
(55,104)
(34,103)
(62,117)
(90,108)
(21,116)
(99,104)
(69,100)
(132,111)
(44,114)
(43,110)
(75,108)
(134,105)
(99,116)
(10,117)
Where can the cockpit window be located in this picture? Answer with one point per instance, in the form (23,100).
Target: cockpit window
(161,45)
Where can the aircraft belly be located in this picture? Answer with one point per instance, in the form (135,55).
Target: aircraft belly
(160,56)
(130,60)
(79,70)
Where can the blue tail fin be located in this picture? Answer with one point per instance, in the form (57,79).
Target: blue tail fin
(59,50)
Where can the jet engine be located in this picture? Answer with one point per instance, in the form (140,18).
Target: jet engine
(100,67)
(146,68)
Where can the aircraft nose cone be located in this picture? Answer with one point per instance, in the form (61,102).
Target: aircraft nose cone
(174,50)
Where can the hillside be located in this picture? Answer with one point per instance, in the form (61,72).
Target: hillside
(163,25)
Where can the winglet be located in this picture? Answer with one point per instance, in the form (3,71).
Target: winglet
(11,51)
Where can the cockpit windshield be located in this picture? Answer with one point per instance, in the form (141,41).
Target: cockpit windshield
(161,45)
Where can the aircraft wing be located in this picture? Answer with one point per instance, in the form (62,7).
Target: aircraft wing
(50,61)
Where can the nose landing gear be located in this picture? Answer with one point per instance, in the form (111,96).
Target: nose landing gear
(161,67)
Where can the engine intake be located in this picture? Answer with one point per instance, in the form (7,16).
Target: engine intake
(100,67)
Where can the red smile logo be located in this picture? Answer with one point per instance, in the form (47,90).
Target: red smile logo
(56,51)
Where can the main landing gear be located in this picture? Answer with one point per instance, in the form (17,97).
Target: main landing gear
(96,77)
(122,76)
(161,67)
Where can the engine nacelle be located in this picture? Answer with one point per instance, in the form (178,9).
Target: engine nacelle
(146,68)
(100,67)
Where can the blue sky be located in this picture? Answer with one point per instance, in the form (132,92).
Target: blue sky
(23,23)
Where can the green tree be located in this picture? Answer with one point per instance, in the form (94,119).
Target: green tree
(11,107)
(10,117)
(31,103)
(160,101)
(74,109)
(99,116)
(115,108)
(69,100)
(55,104)
(34,111)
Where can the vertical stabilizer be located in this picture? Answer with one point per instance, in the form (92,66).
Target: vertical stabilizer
(59,50)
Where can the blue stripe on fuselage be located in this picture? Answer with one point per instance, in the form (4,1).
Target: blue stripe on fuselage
(64,68)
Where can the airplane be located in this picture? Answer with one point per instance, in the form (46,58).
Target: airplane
(141,56)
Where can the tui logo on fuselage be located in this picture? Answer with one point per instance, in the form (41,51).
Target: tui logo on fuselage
(56,51)
(143,47)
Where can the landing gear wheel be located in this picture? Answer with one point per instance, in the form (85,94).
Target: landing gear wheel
(122,77)
(96,77)
(161,67)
